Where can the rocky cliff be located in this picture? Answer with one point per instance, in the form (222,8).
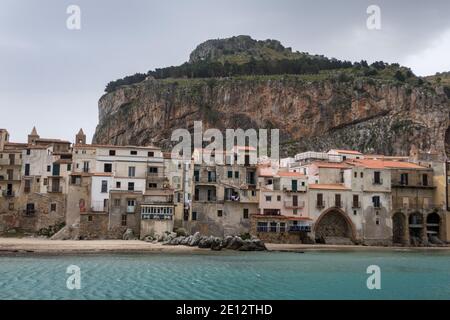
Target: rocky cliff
(313,112)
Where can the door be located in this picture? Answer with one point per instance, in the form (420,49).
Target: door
(294,185)
(55,171)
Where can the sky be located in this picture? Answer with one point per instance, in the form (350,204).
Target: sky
(52,77)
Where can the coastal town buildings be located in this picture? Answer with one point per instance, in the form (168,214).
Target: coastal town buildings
(90,191)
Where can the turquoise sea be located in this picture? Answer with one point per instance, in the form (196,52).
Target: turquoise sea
(228,275)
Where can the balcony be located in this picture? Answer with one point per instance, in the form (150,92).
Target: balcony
(377,181)
(291,204)
(8,193)
(54,189)
(320,204)
(356,204)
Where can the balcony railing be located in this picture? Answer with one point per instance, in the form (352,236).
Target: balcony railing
(320,204)
(8,193)
(53,189)
(356,204)
(377,181)
(291,204)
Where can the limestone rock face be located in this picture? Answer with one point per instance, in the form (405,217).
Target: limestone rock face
(374,116)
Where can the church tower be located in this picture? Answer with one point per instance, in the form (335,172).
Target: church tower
(33,136)
(80,138)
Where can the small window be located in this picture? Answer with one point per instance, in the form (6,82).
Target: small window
(355,212)
(49,168)
(130,186)
(90,218)
(230,174)
(124,220)
(131,171)
(152,170)
(28,151)
(194,215)
(112,152)
(378,222)
(152,186)
(268,198)
(245,213)
(118,184)
(117,202)
(151,154)
(133,152)
(53,207)
(104,186)
(107,167)
(361,174)
(11,206)
(295,212)
(236,174)
(219,213)
(45,181)
(69,167)
(356,174)
(278,198)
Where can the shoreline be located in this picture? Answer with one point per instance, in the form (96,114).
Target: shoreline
(47,246)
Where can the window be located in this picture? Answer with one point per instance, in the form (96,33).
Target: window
(278,198)
(85,166)
(133,152)
(376,202)
(425,180)
(219,213)
(361,174)
(236,174)
(152,170)
(29,209)
(337,201)
(131,171)
(104,186)
(377,177)
(378,222)
(27,169)
(230,174)
(118,184)
(89,218)
(131,204)
(282,227)
(116,202)
(11,206)
(28,151)
(261,227)
(355,212)
(245,213)
(69,167)
(45,181)
(356,201)
(268,198)
(151,154)
(130,186)
(27,187)
(194,215)
(124,220)
(295,212)
(320,202)
(356,174)
(273,227)
(38,180)
(196,176)
(404,179)
(295,201)
(211,176)
(53,207)
(152,186)
(49,168)
(107,167)
(294,185)
(112,152)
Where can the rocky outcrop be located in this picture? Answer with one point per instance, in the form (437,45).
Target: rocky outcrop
(370,116)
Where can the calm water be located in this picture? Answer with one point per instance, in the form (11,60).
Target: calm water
(228,275)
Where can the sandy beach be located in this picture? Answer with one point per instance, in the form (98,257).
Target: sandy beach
(41,245)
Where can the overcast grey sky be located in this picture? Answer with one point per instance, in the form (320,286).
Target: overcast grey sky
(52,77)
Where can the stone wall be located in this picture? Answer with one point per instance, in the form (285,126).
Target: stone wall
(94,226)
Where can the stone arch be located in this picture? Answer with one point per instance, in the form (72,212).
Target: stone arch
(399,228)
(433,224)
(415,225)
(334,223)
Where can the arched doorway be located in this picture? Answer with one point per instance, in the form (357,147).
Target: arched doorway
(433,224)
(399,228)
(415,221)
(333,224)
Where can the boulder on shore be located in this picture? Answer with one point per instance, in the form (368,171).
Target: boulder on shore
(128,235)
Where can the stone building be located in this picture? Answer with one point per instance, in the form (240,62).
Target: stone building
(225,195)
(109,187)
